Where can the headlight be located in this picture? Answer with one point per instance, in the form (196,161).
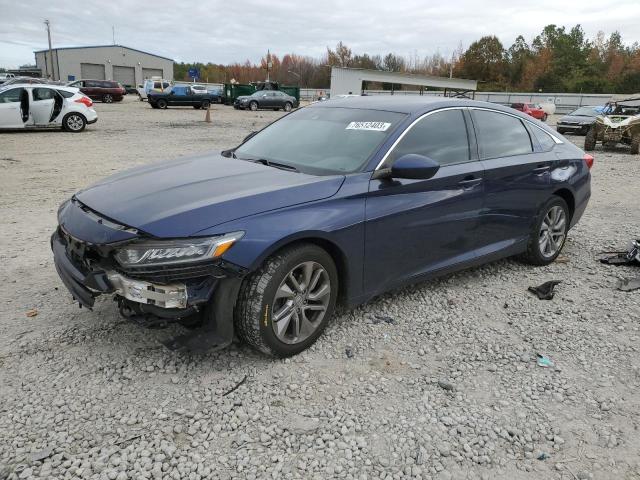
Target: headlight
(176,251)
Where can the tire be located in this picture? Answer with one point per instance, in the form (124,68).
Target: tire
(560,131)
(635,144)
(197,107)
(253,106)
(257,300)
(140,98)
(107,98)
(205,104)
(537,253)
(162,103)
(287,107)
(544,117)
(590,140)
(74,122)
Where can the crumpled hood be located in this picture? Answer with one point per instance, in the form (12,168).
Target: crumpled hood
(185,196)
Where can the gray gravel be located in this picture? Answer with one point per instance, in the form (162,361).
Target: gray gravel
(437,381)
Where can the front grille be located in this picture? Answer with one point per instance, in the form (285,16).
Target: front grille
(173,273)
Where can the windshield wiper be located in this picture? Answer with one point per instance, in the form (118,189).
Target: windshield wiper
(270,163)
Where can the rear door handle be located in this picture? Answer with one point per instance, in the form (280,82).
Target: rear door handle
(541,169)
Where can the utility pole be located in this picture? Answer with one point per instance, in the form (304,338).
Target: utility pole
(113,33)
(48,24)
(451,66)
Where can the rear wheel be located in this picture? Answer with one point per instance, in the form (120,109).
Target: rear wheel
(162,103)
(74,122)
(635,144)
(197,107)
(590,139)
(549,233)
(205,104)
(544,117)
(284,306)
(253,106)
(107,98)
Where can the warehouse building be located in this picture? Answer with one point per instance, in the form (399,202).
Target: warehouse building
(103,62)
(346,81)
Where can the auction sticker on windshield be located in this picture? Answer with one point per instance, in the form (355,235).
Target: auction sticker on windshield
(373,126)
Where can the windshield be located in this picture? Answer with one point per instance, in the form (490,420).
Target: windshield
(585,112)
(322,141)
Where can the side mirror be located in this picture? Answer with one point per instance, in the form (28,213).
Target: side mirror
(414,166)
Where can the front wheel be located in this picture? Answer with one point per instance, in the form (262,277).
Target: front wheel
(253,106)
(284,306)
(108,98)
(287,107)
(544,117)
(549,233)
(162,103)
(205,104)
(590,140)
(635,144)
(74,122)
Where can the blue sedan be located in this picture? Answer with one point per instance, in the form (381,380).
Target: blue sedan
(335,203)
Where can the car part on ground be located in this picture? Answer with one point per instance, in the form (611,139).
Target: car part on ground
(621,125)
(546,290)
(299,216)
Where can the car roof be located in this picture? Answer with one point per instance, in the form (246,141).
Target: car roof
(40,85)
(406,103)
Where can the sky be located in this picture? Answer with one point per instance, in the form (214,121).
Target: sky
(240,30)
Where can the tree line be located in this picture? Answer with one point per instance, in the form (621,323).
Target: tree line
(556,60)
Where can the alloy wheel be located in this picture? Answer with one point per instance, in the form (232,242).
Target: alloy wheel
(107,99)
(74,123)
(301,302)
(552,231)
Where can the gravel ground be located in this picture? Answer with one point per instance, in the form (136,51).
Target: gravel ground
(436,381)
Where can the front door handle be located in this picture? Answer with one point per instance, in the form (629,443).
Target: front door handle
(469,182)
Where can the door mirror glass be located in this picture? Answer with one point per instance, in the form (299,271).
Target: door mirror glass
(414,166)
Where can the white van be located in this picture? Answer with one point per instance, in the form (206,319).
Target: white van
(153,84)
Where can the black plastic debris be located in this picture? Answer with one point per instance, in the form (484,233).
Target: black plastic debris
(543,456)
(545,291)
(383,318)
(630,257)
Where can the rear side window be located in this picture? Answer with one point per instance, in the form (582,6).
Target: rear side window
(43,94)
(544,139)
(441,136)
(500,135)
(66,94)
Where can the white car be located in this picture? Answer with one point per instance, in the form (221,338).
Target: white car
(35,106)
(199,89)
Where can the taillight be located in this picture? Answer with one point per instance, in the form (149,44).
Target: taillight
(86,100)
(588,159)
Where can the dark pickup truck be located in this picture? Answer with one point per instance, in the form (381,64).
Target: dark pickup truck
(181,96)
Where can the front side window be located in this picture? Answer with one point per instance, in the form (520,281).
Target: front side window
(500,135)
(11,96)
(40,94)
(322,140)
(441,136)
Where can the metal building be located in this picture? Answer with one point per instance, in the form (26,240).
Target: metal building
(103,62)
(346,81)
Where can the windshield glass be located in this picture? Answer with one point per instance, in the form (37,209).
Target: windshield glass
(585,112)
(322,141)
